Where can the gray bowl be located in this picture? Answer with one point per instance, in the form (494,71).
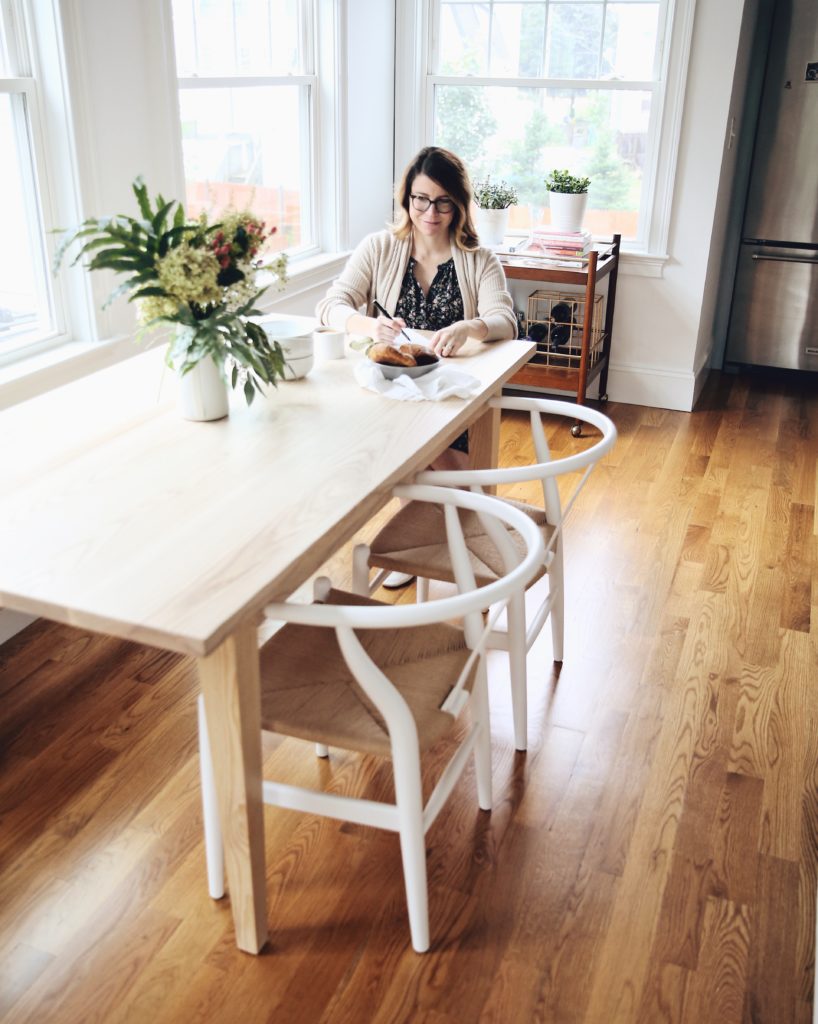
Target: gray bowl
(391,372)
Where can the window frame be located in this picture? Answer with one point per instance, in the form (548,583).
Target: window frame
(313,13)
(416,82)
(35,70)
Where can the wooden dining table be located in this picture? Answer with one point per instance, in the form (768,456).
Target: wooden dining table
(119,516)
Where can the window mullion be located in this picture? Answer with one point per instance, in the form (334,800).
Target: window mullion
(16,85)
(593,84)
(26,123)
(243,81)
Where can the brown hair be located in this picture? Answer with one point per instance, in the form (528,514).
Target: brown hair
(448,171)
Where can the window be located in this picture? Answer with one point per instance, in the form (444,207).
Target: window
(519,87)
(247,95)
(27,311)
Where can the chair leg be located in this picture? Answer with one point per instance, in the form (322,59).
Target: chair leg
(482,746)
(214,848)
(422,590)
(517,669)
(360,570)
(555,582)
(409,799)
(321,750)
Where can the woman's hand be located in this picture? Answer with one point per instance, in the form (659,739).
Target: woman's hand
(387,329)
(449,340)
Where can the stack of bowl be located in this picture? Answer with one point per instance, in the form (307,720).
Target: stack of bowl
(296,342)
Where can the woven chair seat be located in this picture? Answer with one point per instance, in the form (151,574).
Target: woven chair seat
(307,690)
(414,542)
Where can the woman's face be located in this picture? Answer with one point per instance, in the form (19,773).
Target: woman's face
(432,222)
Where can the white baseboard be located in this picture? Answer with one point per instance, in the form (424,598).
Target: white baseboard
(640,385)
(654,387)
(12,622)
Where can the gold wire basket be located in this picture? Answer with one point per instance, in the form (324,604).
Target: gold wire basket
(555,321)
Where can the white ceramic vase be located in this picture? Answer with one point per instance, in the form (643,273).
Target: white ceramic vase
(567,210)
(203,392)
(491,225)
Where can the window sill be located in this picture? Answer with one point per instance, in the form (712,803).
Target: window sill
(44,371)
(642,264)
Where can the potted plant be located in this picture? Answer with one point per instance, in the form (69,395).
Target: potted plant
(492,201)
(199,278)
(567,197)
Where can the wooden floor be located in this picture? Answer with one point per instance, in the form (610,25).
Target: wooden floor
(651,858)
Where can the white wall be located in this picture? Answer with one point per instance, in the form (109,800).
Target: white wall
(663,329)
(119,60)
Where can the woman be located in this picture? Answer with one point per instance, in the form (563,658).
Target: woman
(430,269)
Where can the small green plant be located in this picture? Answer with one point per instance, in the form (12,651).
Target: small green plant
(491,196)
(566,183)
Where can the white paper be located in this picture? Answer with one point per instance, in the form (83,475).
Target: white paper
(418,337)
(441,383)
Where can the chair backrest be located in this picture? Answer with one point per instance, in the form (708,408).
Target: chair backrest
(468,601)
(467,605)
(545,469)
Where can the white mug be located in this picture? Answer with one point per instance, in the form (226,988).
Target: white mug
(329,343)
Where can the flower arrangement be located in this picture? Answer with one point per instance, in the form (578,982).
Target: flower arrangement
(196,275)
(491,196)
(566,183)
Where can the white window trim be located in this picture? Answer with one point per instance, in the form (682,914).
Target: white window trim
(413,113)
(37,43)
(326,22)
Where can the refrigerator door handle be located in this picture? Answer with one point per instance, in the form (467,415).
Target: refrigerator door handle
(785,259)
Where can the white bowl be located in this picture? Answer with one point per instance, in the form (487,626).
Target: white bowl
(280,330)
(297,366)
(391,372)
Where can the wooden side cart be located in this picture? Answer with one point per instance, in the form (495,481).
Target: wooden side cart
(571,328)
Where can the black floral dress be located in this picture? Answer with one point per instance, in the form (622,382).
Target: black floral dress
(442,307)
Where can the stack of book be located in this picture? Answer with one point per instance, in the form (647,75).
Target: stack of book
(574,244)
(558,248)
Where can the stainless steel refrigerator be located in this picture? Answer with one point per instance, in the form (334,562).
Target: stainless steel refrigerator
(774,315)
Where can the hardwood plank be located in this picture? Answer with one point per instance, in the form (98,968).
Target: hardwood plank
(770,992)
(715,991)
(20,967)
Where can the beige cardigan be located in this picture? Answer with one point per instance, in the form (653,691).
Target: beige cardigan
(376,268)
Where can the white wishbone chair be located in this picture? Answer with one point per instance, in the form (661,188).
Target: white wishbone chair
(413,541)
(388,680)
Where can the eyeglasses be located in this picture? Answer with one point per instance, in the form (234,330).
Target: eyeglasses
(422,204)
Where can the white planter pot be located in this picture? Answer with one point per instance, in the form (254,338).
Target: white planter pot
(203,392)
(491,225)
(567,210)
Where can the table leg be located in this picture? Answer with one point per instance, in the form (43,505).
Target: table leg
(230,684)
(484,442)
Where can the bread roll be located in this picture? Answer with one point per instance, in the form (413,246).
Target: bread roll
(423,356)
(390,355)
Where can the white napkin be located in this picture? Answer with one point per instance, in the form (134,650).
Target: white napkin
(443,382)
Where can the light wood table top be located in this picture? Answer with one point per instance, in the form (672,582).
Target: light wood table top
(119,516)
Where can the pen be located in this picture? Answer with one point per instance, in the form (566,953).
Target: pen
(381,310)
